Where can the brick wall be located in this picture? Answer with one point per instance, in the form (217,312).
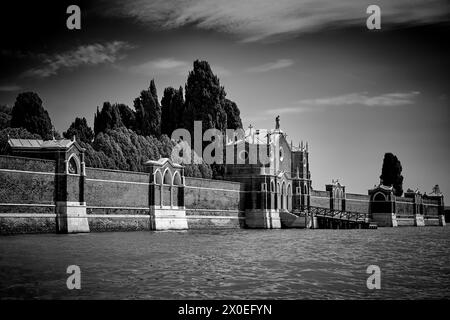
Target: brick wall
(27,188)
(404,207)
(214,203)
(320,199)
(357,202)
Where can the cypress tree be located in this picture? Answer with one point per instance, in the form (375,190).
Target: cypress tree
(391,173)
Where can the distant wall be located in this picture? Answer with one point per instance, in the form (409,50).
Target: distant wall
(430,207)
(357,202)
(404,207)
(214,203)
(320,199)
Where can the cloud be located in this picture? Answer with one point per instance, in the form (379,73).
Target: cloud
(92,54)
(384,100)
(289,110)
(9,88)
(163,66)
(255,20)
(279,64)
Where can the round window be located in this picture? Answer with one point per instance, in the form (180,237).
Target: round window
(243,155)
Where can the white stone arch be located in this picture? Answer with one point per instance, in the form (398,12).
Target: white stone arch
(283,195)
(167,180)
(289,197)
(379,196)
(278,196)
(167,177)
(176,181)
(157,177)
(73,159)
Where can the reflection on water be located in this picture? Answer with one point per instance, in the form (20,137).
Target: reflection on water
(229,264)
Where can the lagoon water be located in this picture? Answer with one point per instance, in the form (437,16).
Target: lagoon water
(229,264)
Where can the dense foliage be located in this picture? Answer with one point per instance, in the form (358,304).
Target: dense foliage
(148,112)
(172,107)
(28,113)
(391,173)
(80,129)
(5,117)
(14,133)
(124,138)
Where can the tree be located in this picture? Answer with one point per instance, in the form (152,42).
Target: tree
(233,115)
(127,115)
(5,117)
(108,118)
(391,173)
(29,114)
(204,99)
(148,112)
(81,130)
(172,109)
(206,102)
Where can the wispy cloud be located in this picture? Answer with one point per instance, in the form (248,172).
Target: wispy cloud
(160,66)
(299,109)
(394,99)
(279,64)
(9,88)
(163,66)
(255,20)
(92,54)
(384,100)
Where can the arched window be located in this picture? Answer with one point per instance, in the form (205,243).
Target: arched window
(176,179)
(289,190)
(167,177)
(157,177)
(283,188)
(272,186)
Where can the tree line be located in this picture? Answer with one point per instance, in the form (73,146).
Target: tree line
(124,138)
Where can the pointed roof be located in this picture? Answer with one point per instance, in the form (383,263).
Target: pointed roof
(162,161)
(40,144)
(382,187)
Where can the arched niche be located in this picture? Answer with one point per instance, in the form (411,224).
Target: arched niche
(73,164)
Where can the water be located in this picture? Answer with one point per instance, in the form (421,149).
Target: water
(229,264)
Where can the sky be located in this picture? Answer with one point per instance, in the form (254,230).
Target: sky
(352,93)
